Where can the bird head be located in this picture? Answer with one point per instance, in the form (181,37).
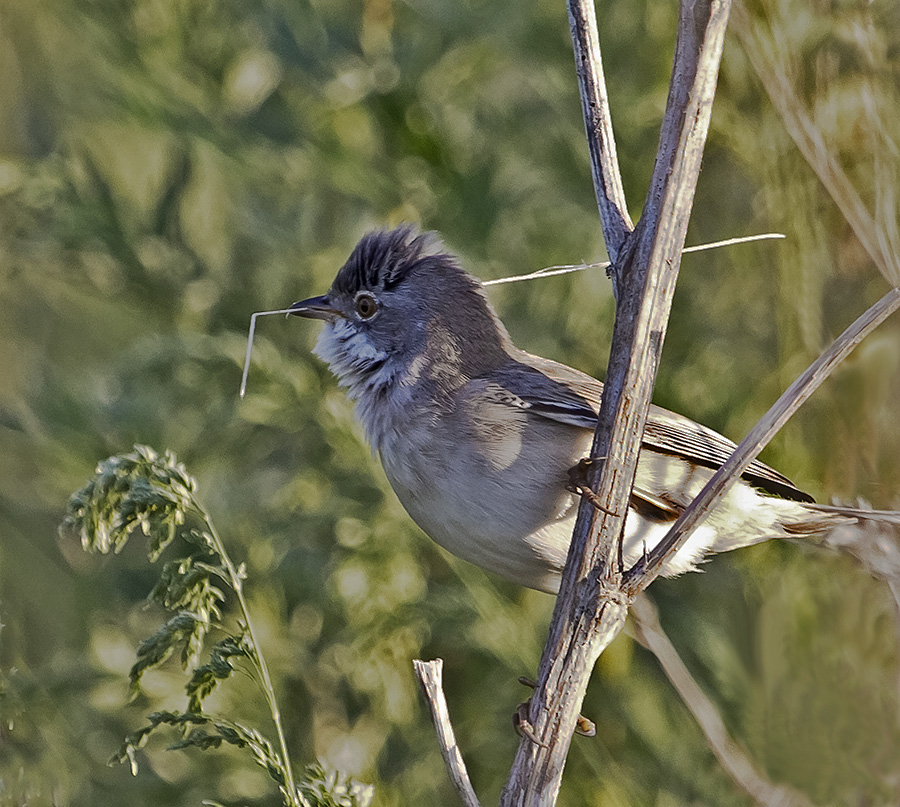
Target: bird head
(402,310)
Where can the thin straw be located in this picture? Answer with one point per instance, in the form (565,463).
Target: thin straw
(565,269)
(250,342)
(549,271)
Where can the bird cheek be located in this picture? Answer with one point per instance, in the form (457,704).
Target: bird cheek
(407,337)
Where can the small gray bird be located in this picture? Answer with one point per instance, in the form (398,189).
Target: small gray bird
(477,436)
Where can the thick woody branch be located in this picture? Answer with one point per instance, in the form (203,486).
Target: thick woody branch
(591,608)
(430,675)
(650,634)
(596,592)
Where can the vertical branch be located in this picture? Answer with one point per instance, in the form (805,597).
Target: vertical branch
(591,606)
(614,217)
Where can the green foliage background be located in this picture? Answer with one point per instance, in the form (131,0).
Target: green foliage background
(168,167)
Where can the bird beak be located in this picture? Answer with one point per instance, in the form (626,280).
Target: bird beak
(315,308)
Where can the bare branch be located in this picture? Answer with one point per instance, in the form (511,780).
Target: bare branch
(430,675)
(591,609)
(598,124)
(731,756)
(645,572)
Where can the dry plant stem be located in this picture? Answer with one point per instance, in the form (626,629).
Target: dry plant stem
(598,125)
(808,139)
(638,578)
(430,675)
(236,581)
(650,634)
(591,608)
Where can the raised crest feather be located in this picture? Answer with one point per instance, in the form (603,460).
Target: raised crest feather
(384,257)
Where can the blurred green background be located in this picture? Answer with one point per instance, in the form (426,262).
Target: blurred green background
(167,167)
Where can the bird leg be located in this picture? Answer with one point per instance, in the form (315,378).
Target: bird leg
(523,727)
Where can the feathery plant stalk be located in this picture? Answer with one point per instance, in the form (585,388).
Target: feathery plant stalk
(156,493)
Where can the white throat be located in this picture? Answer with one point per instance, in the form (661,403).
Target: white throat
(369,375)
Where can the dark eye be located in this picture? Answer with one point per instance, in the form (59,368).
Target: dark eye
(366,306)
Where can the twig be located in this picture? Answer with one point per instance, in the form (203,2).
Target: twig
(650,634)
(648,569)
(552,271)
(598,124)
(430,675)
(591,607)
(250,342)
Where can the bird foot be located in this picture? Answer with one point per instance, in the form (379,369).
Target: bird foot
(522,724)
(524,728)
(578,483)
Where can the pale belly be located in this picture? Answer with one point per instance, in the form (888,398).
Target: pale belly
(517,521)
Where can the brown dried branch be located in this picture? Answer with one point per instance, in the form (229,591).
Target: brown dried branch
(645,572)
(614,216)
(595,594)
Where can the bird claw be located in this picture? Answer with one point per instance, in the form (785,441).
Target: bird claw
(578,474)
(578,483)
(523,727)
(522,724)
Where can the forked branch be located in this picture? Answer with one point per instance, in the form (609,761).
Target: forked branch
(591,606)
(596,592)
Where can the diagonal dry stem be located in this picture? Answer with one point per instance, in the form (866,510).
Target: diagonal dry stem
(645,572)
(879,242)
(649,633)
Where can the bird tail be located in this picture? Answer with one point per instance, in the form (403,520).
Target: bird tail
(819,519)
(857,513)
(871,536)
